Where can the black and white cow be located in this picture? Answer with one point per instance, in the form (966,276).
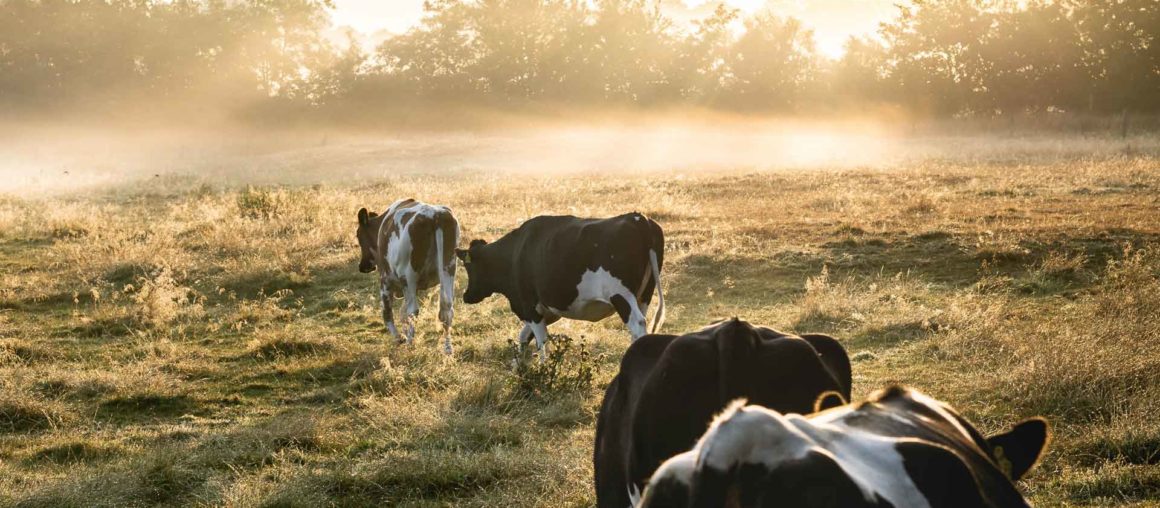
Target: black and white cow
(412,245)
(563,266)
(900,448)
(669,387)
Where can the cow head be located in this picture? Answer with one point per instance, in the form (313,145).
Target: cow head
(478,288)
(751,456)
(367,240)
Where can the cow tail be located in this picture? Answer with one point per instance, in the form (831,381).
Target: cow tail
(445,225)
(659,317)
(439,249)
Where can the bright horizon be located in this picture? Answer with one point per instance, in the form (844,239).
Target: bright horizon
(833,21)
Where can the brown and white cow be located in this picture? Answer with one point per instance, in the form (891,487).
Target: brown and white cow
(412,245)
(899,448)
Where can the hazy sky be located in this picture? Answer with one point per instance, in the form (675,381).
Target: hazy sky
(832,20)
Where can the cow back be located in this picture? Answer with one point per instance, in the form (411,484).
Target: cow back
(667,393)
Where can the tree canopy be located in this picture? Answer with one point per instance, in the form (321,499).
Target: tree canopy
(937,57)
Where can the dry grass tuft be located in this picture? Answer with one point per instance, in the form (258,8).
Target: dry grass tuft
(13,351)
(76,452)
(20,414)
(1090,360)
(161,300)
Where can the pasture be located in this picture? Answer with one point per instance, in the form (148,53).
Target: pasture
(187,339)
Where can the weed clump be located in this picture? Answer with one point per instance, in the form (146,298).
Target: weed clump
(569,368)
(160,300)
(261,203)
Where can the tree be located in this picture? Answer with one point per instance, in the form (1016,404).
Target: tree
(772,63)
(700,72)
(934,64)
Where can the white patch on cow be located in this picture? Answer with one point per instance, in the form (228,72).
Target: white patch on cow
(398,258)
(678,468)
(870,460)
(594,301)
(756,435)
(751,435)
(937,407)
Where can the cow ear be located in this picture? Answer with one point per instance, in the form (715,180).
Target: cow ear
(463,255)
(1018,450)
(363,217)
(829,400)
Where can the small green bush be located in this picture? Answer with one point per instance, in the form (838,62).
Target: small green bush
(569,368)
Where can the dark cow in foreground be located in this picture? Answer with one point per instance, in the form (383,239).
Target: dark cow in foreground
(563,266)
(412,245)
(900,448)
(669,388)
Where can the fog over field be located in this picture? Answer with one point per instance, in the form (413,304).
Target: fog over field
(55,159)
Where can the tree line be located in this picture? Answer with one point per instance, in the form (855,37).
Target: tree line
(938,58)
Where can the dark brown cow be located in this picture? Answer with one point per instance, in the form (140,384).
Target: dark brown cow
(412,245)
(669,388)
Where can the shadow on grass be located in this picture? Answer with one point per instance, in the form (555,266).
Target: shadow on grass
(77,452)
(892,334)
(266,282)
(146,407)
(432,476)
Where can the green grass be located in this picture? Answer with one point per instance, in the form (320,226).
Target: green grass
(213,344)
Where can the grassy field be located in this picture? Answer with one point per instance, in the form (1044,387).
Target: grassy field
(195,341)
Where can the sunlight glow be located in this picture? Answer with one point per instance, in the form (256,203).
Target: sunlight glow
(746,6)
(833,21)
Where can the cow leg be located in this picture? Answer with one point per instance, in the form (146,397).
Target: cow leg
(411,300)
(630,314)
(540,330)
(522,344)
(446,298)
(388,315)
(445,260)
(525,336)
